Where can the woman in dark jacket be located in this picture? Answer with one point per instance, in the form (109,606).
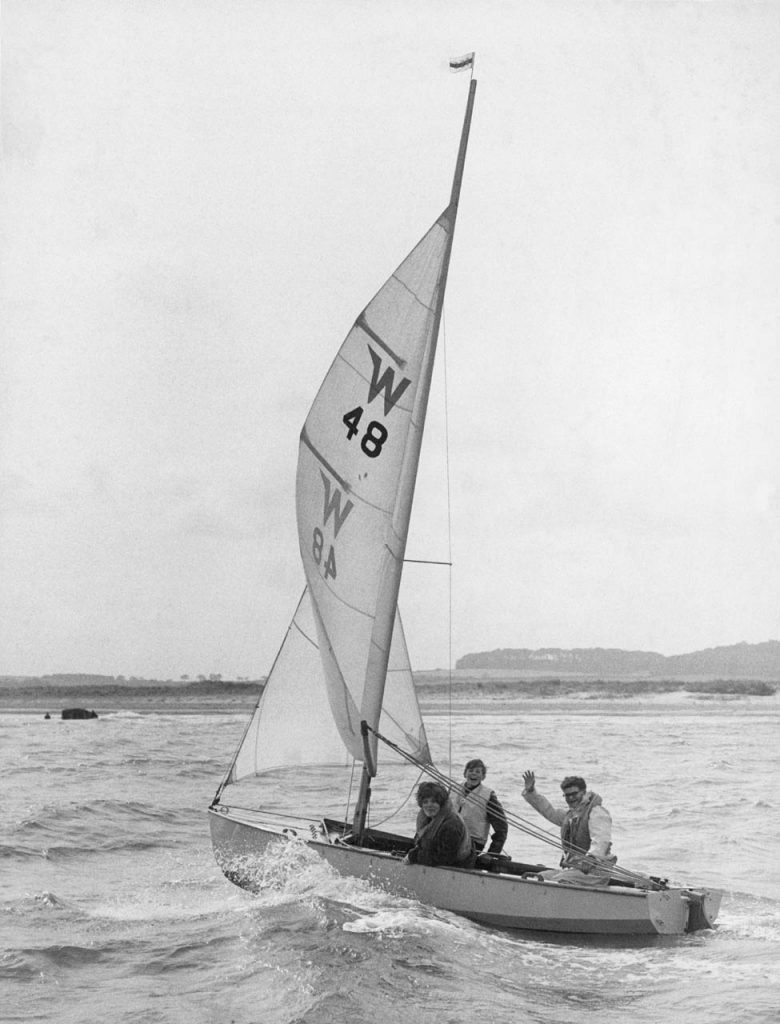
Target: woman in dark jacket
(442,839)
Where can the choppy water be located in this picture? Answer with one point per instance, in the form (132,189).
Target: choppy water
(113,909)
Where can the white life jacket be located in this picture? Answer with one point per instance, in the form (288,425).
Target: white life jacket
(471,805)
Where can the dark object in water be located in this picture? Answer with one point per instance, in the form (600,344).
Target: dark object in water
(78,713)
(47,715)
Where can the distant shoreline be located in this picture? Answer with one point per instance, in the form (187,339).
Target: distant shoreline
(490,692)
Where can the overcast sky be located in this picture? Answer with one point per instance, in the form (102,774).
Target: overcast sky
(201,196)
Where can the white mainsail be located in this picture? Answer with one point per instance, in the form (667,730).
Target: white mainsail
(356,471)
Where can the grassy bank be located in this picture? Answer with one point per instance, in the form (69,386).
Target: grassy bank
(435,690)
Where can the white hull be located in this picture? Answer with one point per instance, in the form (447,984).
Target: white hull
(503,901)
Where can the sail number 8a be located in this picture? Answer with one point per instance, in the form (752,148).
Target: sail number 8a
(375,436)
(318,549)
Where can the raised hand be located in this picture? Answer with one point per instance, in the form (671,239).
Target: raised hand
(530,781)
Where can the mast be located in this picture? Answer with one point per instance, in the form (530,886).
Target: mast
(376,669)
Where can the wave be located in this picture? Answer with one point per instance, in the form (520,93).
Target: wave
(149,956)
(99,827)
(397,922)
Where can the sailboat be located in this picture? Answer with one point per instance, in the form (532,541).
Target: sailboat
(342,679)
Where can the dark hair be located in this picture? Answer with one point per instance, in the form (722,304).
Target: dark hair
(432,791)
(574,780)
(475,762)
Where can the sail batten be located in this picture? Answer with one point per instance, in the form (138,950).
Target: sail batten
(363,325)
(318,455)
(422,302)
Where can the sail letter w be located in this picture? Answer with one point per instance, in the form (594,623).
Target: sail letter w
(385,383)
(333,505)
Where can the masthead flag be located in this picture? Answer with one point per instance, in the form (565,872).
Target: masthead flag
(462,63)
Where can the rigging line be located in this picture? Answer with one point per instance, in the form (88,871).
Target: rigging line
(403,804)
(445,779)
(516,822)
(270,816)
(449,527)
(426,561)
(616,871)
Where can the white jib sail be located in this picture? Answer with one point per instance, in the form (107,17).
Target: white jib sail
(293,724)
(354,491)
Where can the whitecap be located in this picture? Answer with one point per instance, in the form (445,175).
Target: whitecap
(403,921)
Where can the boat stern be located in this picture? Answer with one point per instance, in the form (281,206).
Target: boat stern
(703,907)
(676,911)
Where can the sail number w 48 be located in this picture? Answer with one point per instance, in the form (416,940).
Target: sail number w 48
(373,439)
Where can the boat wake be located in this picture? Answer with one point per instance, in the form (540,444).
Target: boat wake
(398,923)
(290,872)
